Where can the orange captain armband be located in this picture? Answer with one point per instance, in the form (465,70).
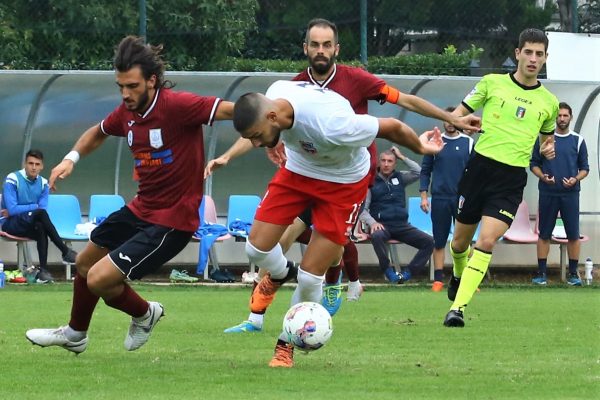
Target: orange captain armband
(391,94)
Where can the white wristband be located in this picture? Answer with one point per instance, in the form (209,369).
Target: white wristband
(73,156)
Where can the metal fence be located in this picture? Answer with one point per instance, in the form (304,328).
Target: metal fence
(199,35)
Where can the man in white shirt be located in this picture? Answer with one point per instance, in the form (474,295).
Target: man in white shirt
(327,168)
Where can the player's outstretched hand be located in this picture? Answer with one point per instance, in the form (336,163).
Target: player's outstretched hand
(547,148)
(432,141)
(277,154)
(214,164)
(61,171)
(469,124)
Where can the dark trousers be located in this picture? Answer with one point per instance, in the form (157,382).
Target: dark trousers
(405,233)
(36,225)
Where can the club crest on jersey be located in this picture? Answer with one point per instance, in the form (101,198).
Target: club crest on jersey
(308,147)
(130,138)
(520,112)
(156,138)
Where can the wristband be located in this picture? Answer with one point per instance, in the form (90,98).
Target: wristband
(73,156)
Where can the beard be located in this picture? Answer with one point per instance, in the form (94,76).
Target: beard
(563,126)
(317,65)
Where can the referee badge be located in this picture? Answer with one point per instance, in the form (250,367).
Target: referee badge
(520,112)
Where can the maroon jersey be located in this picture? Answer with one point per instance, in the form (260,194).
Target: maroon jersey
(358,87)
(168,151)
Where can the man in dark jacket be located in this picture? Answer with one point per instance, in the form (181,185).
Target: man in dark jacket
(386,215)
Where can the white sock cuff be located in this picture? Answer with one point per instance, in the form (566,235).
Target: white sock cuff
(308,278)
(273,260)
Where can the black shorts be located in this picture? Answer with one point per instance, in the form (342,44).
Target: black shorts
(306,217)
(137,247)
(490,188)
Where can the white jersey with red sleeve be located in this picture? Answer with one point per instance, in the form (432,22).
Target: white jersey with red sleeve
(327,140)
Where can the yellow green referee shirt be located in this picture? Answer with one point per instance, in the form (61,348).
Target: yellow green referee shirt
(513,117)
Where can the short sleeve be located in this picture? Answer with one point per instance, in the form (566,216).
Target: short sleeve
(549,124)
(113,124)
(194,110)
(356,130)
(476,97)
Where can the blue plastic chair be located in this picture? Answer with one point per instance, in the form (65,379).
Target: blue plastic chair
(65,214)
(240,214)
(416,216)
(102,205)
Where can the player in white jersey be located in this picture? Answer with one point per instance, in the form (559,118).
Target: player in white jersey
(327,169)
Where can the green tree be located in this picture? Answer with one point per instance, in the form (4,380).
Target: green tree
(70,34)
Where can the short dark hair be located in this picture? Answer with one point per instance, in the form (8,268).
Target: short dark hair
(323,23)
(35,153)
(133,51)
(533,35)
(565,106)
(246,111)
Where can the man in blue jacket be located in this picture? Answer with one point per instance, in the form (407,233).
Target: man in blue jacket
(24,203)
(559,192)
(386,215)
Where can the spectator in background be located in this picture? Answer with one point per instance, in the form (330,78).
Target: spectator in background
(559,192)
(386,215)
(447,168)
(24,203)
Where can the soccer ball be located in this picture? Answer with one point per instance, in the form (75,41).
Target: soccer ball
(307,326)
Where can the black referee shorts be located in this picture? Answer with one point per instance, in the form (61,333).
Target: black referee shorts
(490,188)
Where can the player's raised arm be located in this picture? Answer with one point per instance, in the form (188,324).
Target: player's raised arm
(398,132)
(224,111)
(466,121)
(240,147)
(89,141)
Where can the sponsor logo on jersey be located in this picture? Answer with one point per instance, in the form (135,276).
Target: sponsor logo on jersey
(130,138)
(308,147)
(506,213)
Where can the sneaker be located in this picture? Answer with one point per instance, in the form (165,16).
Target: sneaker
(539,279)
(246,326)
(264,293)
(404,277)
(437,286)
(182,276)
(454,319)
(283,357)
(453,285)
(391,275)
(69,257)
(56,337)
(139,332)
(220,276)
(355,290)
(332,298)
(44,277)
(16,276)
(573,280)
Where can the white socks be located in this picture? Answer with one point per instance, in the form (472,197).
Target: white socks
(310,287)
(273,261)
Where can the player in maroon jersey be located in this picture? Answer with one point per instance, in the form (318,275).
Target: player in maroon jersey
(164,133)
(358,87)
